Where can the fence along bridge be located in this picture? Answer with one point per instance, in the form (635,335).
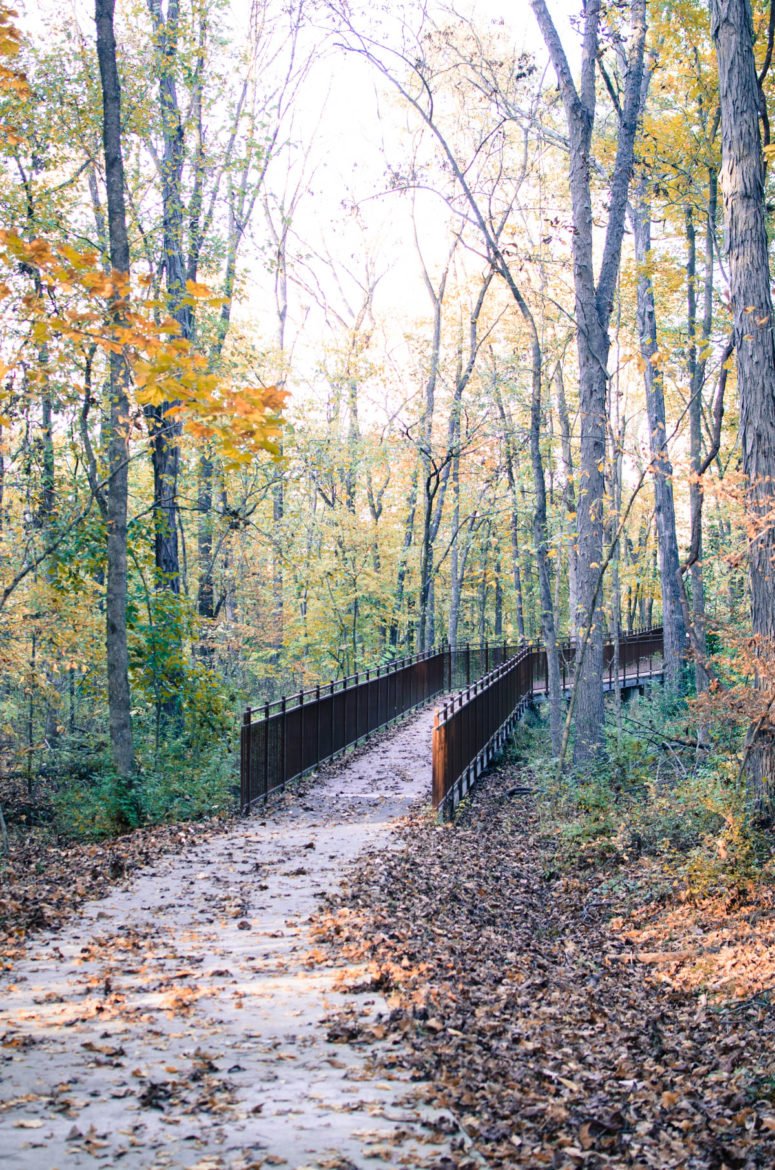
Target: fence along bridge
(491,686)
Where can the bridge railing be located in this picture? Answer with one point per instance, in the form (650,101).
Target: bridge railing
(473,726)
(283,740)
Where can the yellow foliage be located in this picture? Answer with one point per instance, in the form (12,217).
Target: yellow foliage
(167,371)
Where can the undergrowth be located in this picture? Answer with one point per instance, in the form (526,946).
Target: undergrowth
(84,800)
(663,797)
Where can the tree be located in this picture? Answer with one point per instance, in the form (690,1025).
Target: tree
(119,704)
(594,304)
(667,543)
(742,185)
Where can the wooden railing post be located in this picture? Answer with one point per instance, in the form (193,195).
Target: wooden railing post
(437,778)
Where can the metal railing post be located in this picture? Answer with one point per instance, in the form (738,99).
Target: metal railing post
(283,741)
(333,719)
(302,741)
(244,766)
(266,752)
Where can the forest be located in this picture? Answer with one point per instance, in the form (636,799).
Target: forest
(332,335)
(387,584)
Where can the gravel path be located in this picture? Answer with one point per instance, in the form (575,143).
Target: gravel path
(180,1022)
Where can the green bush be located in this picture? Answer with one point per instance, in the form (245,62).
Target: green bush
(93,809)
(183,788)
(656,793)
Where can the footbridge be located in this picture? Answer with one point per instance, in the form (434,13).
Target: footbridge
(486,689)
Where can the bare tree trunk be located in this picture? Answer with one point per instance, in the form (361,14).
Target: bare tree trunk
(594,301)
(206,594)
(278,574)
(403,561)
(742,184)
(484,585)
(569,496)
(516,552)
(165,428)
(164,425)
(667,542)
(119,705)
(696,366)
(455,575)
(541,543)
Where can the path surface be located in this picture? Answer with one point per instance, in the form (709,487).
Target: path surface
(179,1022)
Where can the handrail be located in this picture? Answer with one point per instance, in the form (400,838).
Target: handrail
(471,728)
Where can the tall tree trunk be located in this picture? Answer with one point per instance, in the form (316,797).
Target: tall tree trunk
(403,561)
(205,602)
(119,705)
(569,497)
(455,575)
(594,301)
(164,426)
(278,572)
(742,185)
(696,366)
(484,584)
(541,542)
(516,552)
(667,542)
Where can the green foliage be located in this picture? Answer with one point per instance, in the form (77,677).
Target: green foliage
(93,803)
(663,794)
(97,806)
(209,708)
(182,789)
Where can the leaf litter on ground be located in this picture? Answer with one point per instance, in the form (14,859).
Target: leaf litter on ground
(523,1004)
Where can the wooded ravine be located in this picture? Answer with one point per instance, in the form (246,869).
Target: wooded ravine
(333,335)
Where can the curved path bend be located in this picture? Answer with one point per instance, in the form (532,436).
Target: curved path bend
(180,1022)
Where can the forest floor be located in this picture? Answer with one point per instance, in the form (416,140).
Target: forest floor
(340,985)
(577,1017)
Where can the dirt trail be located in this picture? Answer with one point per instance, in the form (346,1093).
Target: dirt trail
(179,1022)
